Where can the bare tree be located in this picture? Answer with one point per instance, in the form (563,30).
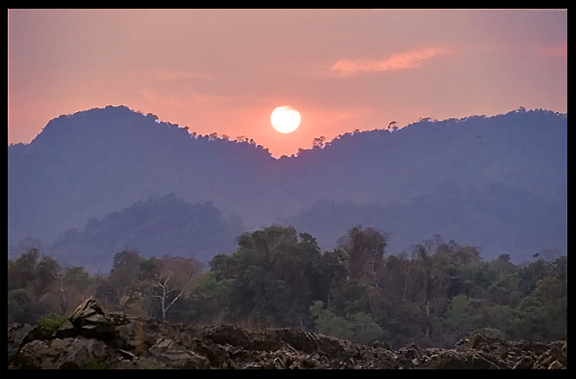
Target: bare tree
(63,298)
(177,276)
(166,291)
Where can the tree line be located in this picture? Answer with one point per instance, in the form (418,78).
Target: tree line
(433,295)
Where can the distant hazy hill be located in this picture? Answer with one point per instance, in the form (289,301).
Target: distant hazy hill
(157,227)
(496,182)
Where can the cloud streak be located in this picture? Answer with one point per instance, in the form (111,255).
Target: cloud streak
(408,60)
(181,75)
(558,50)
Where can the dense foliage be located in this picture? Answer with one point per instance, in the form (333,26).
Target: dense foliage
(434,295)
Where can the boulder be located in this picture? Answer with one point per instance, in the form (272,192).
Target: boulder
(16,334)
(524,363)
(76,353)
(91,320)
(409,355)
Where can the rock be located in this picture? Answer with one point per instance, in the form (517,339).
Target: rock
(92,320)
(299,339)
(126,354)
(36,333)
(516,354)
(94,338)
(410,352)
(89,308)
(461,345)
(478,341)
(145,363)
(554,358)
(556,366)
(179,358)
(451,359)
(66,330)
(78,353)
(216,354)
(381,345)
(133,336)
(16,334)
(233,335)
(525,362)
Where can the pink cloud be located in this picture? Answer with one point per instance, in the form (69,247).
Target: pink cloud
(559,50)
(184,99)
(169,74)
(181,74)
(407,60)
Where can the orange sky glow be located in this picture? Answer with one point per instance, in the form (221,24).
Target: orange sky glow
(225,71)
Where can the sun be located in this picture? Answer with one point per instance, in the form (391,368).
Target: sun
(285,119)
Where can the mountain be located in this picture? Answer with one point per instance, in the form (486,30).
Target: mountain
(101,160)
(159,226)
(499,219)
(499,183)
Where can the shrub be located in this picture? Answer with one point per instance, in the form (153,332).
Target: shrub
(51,322)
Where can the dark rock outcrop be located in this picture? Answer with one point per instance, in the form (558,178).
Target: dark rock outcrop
(16,334)
(94,338)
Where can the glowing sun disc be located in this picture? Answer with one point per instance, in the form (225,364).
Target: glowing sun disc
(285,119)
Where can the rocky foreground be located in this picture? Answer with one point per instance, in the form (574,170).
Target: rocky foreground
(94,338)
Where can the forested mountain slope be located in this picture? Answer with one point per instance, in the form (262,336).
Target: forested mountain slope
(496,182)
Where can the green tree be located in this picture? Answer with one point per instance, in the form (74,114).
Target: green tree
(529,320)
(350,297)
(529,275)
(425,263)
(122,277)
(23,308)
(364,327)
(211,299)
(365,248)
(78,278)
(48,270)
(32,277)
(358,327)
(18,301)
(337,270)
(502,266)
(24,270)
(558,269)
(459,319)
(114,290)
(549,292)
(327,322)
(275,274)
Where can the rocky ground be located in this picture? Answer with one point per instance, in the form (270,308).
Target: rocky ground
(94,338)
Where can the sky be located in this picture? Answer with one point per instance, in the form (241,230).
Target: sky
(225,71)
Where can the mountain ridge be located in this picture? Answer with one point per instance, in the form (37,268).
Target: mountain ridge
(101,160)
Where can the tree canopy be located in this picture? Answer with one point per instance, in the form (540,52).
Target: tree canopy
(434,295)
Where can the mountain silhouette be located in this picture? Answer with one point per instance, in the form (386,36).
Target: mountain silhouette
(159,226)
(499,183)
